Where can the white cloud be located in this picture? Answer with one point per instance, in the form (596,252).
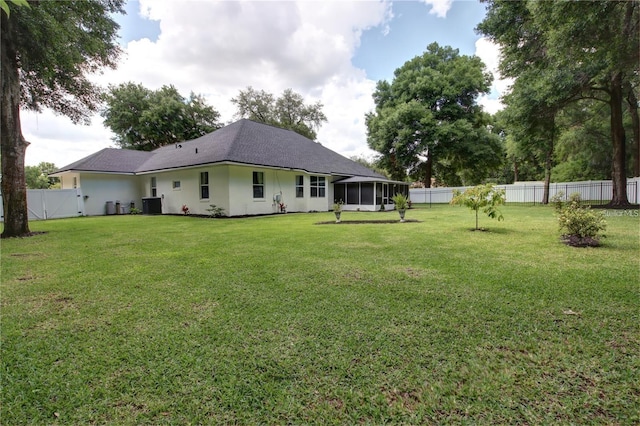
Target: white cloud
(439,7)
(489,52)
(218,48)
(55,139)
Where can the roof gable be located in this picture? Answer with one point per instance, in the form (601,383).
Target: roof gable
(109,160)
(249,142)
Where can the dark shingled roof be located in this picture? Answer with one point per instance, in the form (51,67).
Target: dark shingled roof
(109,160)
(244,142)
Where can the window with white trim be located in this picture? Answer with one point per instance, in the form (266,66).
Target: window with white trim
(204,185)
(154,189)
(258,184)
(176,184)
(299,186)
(318,187)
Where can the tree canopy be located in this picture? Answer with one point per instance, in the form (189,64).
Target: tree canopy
(573,51)
(48,50)
(427,121)
(38,176)
(145,119)
(288,111)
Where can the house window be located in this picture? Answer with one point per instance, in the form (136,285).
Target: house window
(339,192)
(154,190)
(176,184)
(318,186)
(258,184)
(299,186)
(204,185)
(366,194)
(353,193)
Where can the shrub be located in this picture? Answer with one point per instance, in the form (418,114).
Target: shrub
(580,226)
(400,201)
(215,211)
(484,197)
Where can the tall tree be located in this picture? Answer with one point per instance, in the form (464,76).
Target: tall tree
(427,121)
(597,43)
(145,119)
(288,111)
(47,52)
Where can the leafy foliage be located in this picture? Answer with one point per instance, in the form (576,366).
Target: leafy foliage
(427,121)
(145,119)
(288,111)
(37,176)
(582,147)
(4,6)
(215,211)
(580,226)
(59,44)
(485,197)
(400,201)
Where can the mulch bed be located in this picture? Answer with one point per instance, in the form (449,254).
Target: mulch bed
(576,241)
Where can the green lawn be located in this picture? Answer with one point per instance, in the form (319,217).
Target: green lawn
(280,320)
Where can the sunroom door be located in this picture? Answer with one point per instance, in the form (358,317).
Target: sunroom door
(385,193)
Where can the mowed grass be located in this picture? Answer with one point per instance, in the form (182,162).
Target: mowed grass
(279,320)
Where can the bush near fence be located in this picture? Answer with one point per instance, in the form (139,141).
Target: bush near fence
(591,192)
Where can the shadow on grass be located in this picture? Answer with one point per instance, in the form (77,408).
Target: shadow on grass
(359,222)
(502,231)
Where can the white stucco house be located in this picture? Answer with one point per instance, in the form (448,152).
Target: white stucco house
(247,168)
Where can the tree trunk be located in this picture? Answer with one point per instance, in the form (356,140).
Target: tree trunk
(13,146)
(618,175)
(548,163)
(547,177)
(632,101)
(428,171)
(515,170)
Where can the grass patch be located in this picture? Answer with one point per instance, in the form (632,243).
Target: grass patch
(272,320)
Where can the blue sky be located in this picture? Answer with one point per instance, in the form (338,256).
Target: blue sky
(328,51)
(411,30)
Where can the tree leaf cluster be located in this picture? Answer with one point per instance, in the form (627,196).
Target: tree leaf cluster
(5,7)
(288,111)
(57,46)
(427,121)
(37,177)
(145,119)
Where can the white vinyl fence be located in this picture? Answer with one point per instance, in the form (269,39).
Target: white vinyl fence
(52,204)
(594,192)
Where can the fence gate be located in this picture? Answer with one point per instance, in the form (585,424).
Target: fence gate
(45,204)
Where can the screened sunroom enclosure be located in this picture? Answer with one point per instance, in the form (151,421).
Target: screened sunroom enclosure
(368,194)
